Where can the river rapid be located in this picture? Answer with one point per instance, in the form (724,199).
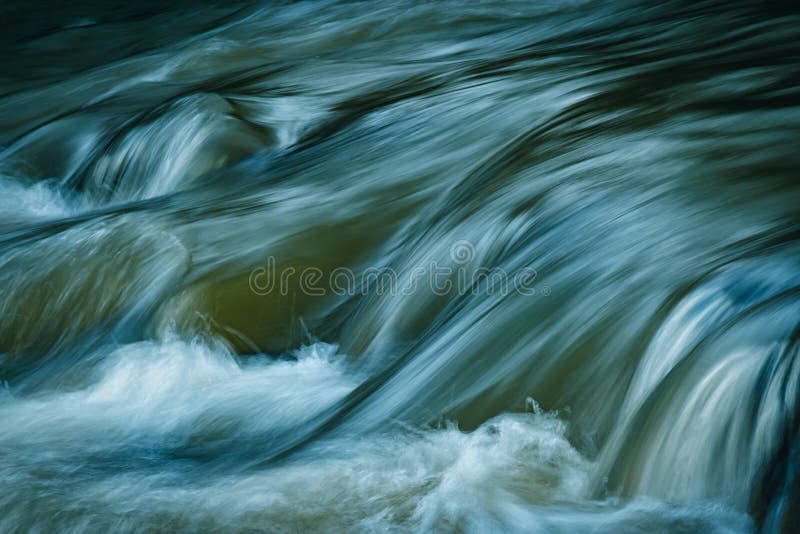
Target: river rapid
(388,267)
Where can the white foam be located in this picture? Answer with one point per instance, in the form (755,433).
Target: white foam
(38,200)
(517,472)
(161,393)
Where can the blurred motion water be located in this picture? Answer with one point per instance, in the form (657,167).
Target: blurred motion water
(635,163)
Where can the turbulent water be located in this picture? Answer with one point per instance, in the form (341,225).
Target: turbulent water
(432,266)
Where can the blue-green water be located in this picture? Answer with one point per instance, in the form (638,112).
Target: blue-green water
(435,266)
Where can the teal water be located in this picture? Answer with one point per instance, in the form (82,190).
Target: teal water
(436,266)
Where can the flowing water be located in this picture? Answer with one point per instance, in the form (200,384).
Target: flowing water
(220,226)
